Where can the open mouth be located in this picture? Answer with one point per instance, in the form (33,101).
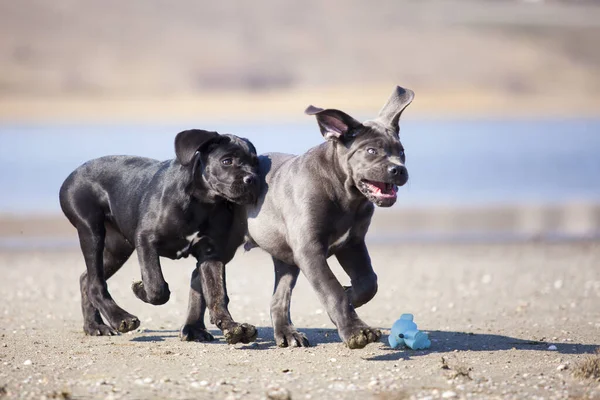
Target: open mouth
(380,193)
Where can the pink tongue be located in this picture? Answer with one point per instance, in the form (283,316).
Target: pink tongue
(380,188)
(379,185)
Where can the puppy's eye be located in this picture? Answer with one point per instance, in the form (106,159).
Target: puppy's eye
(227,161)
(371,150)
(401,153)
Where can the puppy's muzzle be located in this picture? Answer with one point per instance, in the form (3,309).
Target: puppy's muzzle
(250,180)
(398,174)
(252,185)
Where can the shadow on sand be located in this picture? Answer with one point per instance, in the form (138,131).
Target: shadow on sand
(449,341)
(442,342)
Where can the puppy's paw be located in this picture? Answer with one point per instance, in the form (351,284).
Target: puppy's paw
(193,333)
(124,322)
(139,291)
(363,337)
(156,296)
(96,329)
(288,336)
(236,333)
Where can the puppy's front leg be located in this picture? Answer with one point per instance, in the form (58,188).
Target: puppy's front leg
(354,259)
(353,331)
(152,289)
(212,276)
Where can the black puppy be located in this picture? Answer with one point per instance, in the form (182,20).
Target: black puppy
(320,204)
(192,205)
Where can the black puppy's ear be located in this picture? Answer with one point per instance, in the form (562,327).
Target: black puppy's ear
(190,141)
(333,123)
(250,145)
(398,101)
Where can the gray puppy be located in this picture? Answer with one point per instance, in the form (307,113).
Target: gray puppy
(191,205)
(320,204)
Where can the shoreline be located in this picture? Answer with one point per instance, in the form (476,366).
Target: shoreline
(487,223)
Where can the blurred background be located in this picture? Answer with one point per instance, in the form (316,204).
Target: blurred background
(502,140)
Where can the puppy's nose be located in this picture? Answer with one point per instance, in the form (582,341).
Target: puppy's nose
(249,179)
(394,170)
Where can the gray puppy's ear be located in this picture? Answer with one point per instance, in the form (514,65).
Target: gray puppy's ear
(333,123)
(398,101)
(190,141)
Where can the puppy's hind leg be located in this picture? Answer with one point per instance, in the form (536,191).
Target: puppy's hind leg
(92,233)
(194,329)
(116,252)
(84,204)
(285,333)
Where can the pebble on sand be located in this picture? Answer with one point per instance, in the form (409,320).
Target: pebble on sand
(27,362)
(558,284)
(278,393)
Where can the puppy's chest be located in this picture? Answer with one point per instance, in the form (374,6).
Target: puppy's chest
(217,236)
(187,245)
(339,238)
(347,228)
(200,244)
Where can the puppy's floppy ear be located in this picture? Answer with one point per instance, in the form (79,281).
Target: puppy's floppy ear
(250,145)
(334,124)
(398,101)
(190,141)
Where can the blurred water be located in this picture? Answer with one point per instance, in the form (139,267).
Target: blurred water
(451,162)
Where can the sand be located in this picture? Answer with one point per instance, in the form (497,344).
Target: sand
(493,311)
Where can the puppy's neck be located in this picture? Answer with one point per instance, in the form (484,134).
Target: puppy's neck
(196,189)
(339,174)
(199,191)
(202,194)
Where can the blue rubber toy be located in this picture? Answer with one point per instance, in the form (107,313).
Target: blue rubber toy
(405,333)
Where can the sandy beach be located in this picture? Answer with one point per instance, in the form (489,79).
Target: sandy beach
(493,313)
